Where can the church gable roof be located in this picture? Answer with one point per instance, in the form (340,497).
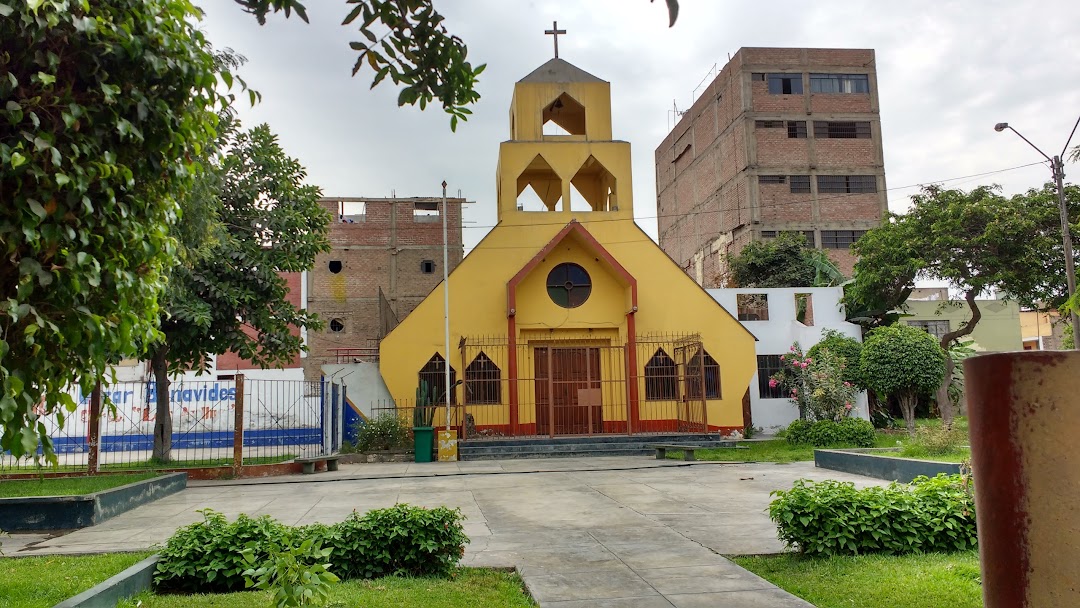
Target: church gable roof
(557,70)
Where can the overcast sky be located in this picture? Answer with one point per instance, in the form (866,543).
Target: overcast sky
(947,72)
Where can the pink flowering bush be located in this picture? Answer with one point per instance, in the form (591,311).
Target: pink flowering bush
(815,384)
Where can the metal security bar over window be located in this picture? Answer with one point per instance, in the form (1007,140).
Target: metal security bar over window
(846,184)
(767,365)
(841,130)
(796,129)
(800,184)
(808,235)
(937,328)
(771,179)
(840,239)
(839,83)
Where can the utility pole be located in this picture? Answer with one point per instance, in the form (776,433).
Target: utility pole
(1057,167)
(446,299)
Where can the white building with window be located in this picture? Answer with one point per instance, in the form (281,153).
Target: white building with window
(778,318)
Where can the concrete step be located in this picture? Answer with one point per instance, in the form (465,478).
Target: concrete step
(578,439)
(580,446)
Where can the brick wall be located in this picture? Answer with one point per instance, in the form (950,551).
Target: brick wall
(707,166)
(385,251)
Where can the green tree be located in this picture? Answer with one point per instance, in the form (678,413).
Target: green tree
(786,261)
(847,349)
(104,105)
(407,41)
(902,362)
(974,241)
(230,296)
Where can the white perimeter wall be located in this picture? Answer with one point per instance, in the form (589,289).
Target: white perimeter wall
(363,382)
(775,337)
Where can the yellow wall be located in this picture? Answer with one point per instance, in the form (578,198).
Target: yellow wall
(669,302)
(997,331)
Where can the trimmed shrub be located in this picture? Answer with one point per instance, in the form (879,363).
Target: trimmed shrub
(849,432)
(402,540)
(833,518)
(207,555)
(845,347)
(385,432)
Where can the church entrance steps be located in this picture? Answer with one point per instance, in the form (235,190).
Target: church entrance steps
(597,445)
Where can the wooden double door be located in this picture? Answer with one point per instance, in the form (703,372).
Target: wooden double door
(568,390)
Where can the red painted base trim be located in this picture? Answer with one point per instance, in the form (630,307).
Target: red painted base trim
(614,427)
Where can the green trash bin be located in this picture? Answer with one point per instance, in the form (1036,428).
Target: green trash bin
(423,443)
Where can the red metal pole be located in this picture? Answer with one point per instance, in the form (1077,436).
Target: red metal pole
(1024,423)
(238,425)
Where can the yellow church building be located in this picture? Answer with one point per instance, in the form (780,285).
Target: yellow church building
(568,319)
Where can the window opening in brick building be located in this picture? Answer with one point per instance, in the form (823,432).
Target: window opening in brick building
(434,374)
(337,325)
(334,266)
(769,124)
(426,212)
(661,378)
(846,184)
(785,84)
(839,83)
(796,129)
(804,308)
(539,188)
(483,381)
(351,212)
(752,306)
(767,365)
(702,364)
(840,239)
(800,184)
(938,328)
(772,179)
(808,235)
(427,267)
(841,130)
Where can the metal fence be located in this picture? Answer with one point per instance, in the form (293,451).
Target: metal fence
(226,422)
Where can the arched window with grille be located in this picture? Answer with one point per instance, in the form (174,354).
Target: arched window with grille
(702,365)
(483,381)
(434,374)
(661,378)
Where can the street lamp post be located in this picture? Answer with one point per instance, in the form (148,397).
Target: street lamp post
(1057,167)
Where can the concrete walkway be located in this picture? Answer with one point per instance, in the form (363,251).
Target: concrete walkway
(599,532)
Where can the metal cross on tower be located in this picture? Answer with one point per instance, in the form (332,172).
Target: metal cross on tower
(554,32)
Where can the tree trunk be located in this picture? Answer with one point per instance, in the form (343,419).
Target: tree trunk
(944,404)
(908,402)
(163,418)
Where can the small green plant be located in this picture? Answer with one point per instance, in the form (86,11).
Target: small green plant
(849,432)
(424,409)
(935,441)
(386,431)
(834,518)
(296,576)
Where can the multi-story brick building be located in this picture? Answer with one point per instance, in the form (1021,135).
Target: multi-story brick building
(386,256)
(781,140)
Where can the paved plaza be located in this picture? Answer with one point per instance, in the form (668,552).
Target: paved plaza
(598,532)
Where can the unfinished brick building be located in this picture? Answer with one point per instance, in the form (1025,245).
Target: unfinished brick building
(386,256)
(781,140)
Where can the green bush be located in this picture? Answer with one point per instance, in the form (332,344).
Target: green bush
(845,347)
(294,576)
(206,556)
(833,518)
(849,432)
(385,432)
(402,540)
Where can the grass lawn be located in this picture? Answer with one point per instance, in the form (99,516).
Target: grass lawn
(64,486)
(871,581)
(471,588)
(33,582)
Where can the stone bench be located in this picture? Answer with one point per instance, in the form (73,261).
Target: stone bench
(309,462)
(662,448)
